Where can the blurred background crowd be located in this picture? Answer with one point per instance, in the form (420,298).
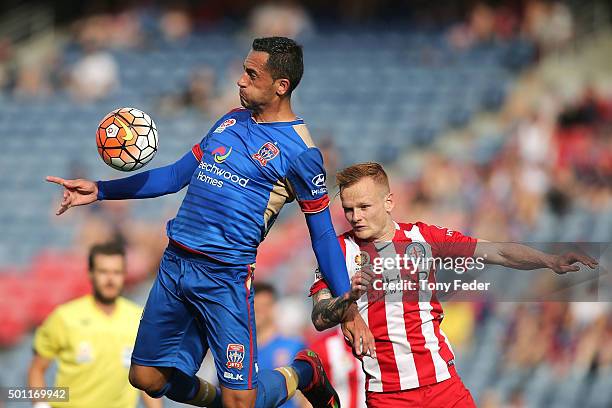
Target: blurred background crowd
(493,118)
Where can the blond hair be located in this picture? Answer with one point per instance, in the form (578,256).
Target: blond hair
(352,174)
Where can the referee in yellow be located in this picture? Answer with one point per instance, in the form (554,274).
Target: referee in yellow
(92,339)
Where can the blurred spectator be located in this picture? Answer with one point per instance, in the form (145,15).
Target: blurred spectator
(199,95)
(175,25)
(119,31)
(228,94)
(330,157)
(126,32)
(549,24)
(32,82)
(484,24)
(273,349)
(489,399)
(6,62)
(94,76)
(285,19)
(516,400)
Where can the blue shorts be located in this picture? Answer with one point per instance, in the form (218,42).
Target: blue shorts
(197,303)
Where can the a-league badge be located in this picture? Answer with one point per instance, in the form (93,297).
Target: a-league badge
(363,259)
(226,123)
(235,355)
(266,153)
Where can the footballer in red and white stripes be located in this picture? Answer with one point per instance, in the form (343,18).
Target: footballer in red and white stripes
(343,370)
(413,364)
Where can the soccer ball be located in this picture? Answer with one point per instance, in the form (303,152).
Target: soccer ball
(127,139)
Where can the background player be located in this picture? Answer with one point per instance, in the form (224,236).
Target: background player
(342,368)
(244,170)
(273,348)
(92,338)
(414,365)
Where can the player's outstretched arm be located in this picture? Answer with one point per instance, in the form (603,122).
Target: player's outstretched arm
(518,256)
(147,184)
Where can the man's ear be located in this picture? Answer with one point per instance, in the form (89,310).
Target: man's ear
(389,202)
(282,86)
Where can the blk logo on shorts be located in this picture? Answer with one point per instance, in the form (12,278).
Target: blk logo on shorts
(235,355)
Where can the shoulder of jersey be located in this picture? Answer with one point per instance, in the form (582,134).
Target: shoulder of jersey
(407,226)
(238,113)
(302,132)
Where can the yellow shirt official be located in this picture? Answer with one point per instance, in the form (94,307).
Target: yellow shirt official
(93,352)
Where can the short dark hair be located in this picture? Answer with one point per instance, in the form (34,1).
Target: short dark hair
(108,248)
(285,60)
(265,287)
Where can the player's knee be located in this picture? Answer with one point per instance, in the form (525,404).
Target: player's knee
(238,398)
(148,379)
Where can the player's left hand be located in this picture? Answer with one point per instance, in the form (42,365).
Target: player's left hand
(357,332)
(360,283)
(564,263)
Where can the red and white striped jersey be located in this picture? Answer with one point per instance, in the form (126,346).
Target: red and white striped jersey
(412,350)
(342,368)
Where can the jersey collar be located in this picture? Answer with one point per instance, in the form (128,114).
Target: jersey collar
(297,121)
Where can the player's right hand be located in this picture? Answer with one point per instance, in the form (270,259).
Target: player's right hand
(76,192)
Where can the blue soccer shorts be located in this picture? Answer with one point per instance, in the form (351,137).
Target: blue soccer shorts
(197,303)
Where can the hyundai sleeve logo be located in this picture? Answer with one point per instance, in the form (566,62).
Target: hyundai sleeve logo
(319,180)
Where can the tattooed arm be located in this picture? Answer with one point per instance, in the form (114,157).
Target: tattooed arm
(328,311)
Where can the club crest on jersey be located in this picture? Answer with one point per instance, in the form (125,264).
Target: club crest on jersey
(266,153)
(226,123)
(415,250)
(235,355)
